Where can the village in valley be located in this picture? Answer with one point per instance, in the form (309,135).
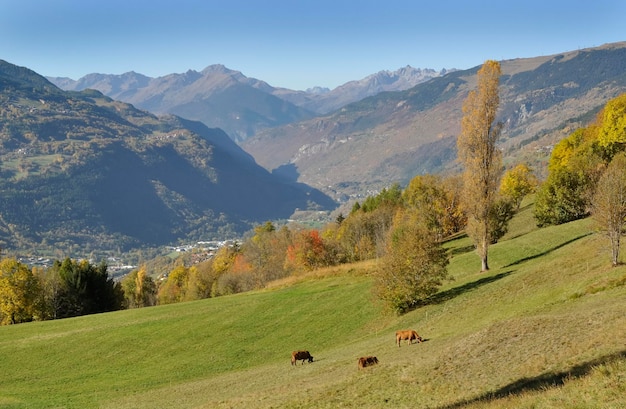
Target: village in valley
(119,266)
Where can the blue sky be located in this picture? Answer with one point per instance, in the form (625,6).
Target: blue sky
(294,44)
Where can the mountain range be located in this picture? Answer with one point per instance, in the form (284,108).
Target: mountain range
(393,136)
(367,134)
(80,170)
(241,106)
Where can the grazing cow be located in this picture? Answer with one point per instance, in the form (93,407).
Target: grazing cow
(367,361)
(300,355)
(409,335)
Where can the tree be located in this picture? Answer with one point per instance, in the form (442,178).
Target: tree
(517,183)
(455,218)
(424,193)
(562,198)
(86,289)
(387,197)
(309,251)
(265,254)
(139,289)
(239,278)
(52,291)
(481,159)
(609,204)
(612,133)
(221,264)
(19,292)
(438,200)
(339,219)
(575,166)
(201,280)
(415,263)
(363,233)
(502,212)
(175,287)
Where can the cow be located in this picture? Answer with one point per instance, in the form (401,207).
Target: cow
(409,335)
(300,355)
(365,361)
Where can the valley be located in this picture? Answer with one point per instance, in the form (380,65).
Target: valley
(88,175)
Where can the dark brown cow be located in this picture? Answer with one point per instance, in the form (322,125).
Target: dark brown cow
(300,355)
(408,335)
(367,361)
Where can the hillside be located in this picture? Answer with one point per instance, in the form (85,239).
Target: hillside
(544,328)
(82,172)
(393,136)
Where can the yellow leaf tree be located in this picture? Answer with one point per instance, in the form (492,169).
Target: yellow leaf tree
(139,289)
(437,198)
(518,182)
(612,134)
(19,292)
(481,159)
(174,289)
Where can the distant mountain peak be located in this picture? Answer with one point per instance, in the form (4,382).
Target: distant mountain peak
(317,90)
(217,68)
(323,101)
(398,80)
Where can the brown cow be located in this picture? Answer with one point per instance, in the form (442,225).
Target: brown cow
(300,355)
(367,361)
(409,335)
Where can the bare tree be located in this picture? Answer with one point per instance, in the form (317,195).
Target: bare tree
(609,204)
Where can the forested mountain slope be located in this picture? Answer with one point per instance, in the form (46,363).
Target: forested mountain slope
(393,136)
(82,171)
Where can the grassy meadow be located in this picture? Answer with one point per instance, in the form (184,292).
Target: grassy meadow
(544,328)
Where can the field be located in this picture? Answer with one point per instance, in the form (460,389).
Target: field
(544,328)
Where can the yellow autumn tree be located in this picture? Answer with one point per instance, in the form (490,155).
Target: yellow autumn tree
(577,163)
(139,289)
(175,287)
(612,133)
(481,159)
(518,182)
(437,199)
(19,292)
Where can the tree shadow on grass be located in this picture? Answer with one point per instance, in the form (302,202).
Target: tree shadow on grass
(447,295)
(462,250)
(456,250)
(534,256)
(540,382)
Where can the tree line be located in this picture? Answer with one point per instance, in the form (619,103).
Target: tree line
(68,288)
(404,228)
(587,177)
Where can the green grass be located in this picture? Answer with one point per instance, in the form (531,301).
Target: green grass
(545,327)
